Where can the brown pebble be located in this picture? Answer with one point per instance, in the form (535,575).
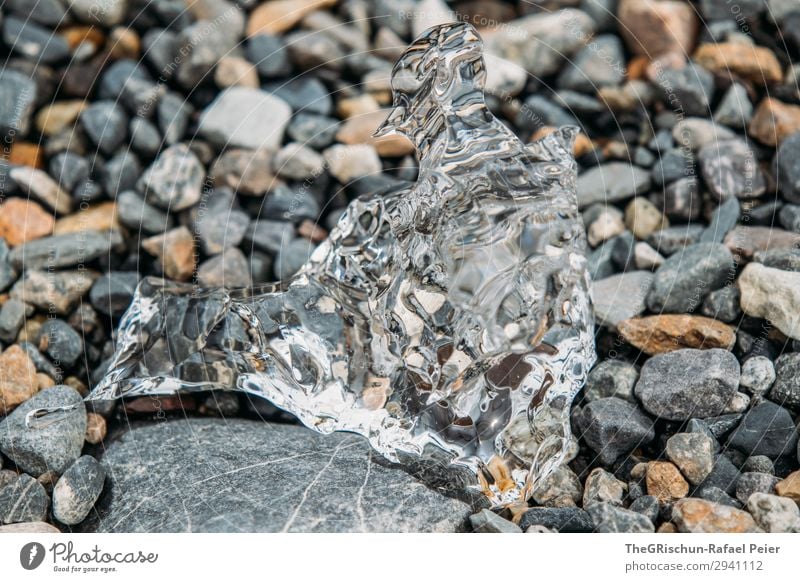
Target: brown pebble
(667,527)
(281,15)
(312,231)
(692,515)
(124,43)
(665,481)
(156,404)
(652,27)
(24,220)
(175,251)
(29,528)
(658,334)
(18,380)
(57,116)
(790,487)
(774,121)
(26,154)
(748,61)
(99,217)
(96,428)
(359,129)
(44,381)
(48,480)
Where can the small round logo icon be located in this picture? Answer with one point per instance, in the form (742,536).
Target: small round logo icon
(31,555)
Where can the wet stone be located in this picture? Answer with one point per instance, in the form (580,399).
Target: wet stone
(77,490)
(688,383)
(613,427)
(766,429)
(50,448)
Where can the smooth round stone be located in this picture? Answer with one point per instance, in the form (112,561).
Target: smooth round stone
(246,118)
(304,95)
(112,292)
(136,214)
(611,378)
(758,375)
(175,180)
(77,490)
(691,86)
(787,163)
(730,168)
(269,55)
(24,500)
(60,342)
(106,124)
(315,131)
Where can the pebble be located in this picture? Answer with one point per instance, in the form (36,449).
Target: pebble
(748,61)
(245,118)
(608,224)
(487,521)
(144,137)
(49,448)
(537,42)
(269,55)
(293,205)
(730,168)
(136,214)
(653,28)
(221,228)
(688,383)
(96,428)
(691,87)
(246,171)
(613,427)
(786,389)
(23,500)
(58,116)
(621,297)
(561,488)
(723,220)
(229,268)
(12,317)
(672,165)
(292,256)
(789,487)
(658,334)
(18,380)
(790,217)
(59,341)
(106,125)
(611,182)
(303,94)
(358,129)
(348,162)
(282,15)
(39,185)
(734,109)
(774,514)
(602,487)
(175,179)
(175,252)
(53,292)
(646,257)
(687,276)
(235,72)
(643,218)
(753,482)
(173,113)
(787,165)
(560,519)
(771,294)
(70,170)
(723,304)
(28,39)
(23,220)
(611,378)
(77,490)
(609,518)
(758,375)
(766,429)
(774,121)
(748,240)
(696,132)
(112,292)
(269,235)
(62,250)
(693,453)
(314,131)
(298,162)
(599,64)
(700,516)
(665,482)
(29,528)
(18,95)
(681,199)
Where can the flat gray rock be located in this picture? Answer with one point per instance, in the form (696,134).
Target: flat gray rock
(213,475)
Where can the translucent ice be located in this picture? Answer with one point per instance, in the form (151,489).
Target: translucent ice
(450,320)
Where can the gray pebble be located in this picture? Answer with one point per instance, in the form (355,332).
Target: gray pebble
(750,483)
(77,490)
(136,214)
(113,291)
(486,521)
(560,519)
(688,383)
(53,447)
(758,375)
(613,427)
(292,256)
(60,342)
(787,164)
(766,429)
(786,390)
(611,378)
(648,506)
(23,500)
(28,39)
(609,518)
(106,125)
(723,304)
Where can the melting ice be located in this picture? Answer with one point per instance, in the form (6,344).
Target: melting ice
(450,320)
